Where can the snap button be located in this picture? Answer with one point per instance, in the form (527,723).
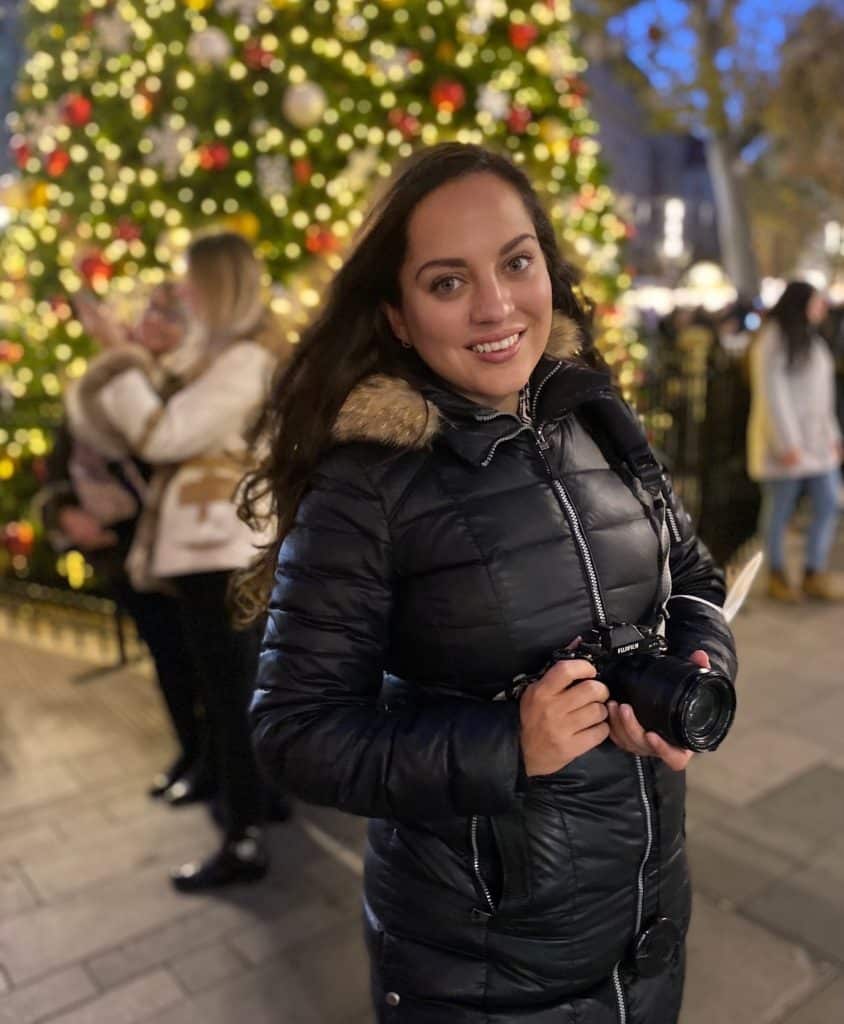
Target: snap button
(656,947)
(392,999)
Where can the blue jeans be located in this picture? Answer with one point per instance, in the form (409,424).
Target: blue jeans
(779,499)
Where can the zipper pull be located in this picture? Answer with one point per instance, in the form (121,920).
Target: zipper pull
(544,444)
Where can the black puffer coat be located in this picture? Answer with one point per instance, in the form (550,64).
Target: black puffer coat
(440,555)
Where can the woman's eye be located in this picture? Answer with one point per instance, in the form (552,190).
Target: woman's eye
(445,285)
(520,262)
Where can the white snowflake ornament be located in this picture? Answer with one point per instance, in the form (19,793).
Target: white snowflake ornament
(113,32)
(274,177)
(246,11)
(209,46)
(494,102)
(170,145)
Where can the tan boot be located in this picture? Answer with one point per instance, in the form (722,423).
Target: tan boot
(822,586)
(779,589)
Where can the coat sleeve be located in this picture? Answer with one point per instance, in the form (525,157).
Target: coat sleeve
(198,417)
(317,723)
(696,620)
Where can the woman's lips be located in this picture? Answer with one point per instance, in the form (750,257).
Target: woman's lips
(499,351)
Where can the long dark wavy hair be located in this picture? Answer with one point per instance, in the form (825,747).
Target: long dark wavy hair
(351,339)
(790,315)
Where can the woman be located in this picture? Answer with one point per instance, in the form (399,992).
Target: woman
(794,439)
(92,502)
(190,537)
(446,522)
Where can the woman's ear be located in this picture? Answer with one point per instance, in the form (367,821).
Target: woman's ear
(396,321)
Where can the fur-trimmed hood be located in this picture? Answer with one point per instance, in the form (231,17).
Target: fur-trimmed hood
(391,411)
(90,424)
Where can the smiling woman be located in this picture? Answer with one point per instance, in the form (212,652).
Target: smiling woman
(449,515)
(479,318)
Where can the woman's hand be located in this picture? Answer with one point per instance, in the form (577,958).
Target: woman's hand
(98,321)
(627,733)
(790,458)
(561,720)
(83,530)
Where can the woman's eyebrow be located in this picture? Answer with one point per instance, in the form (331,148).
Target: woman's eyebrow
(455,261)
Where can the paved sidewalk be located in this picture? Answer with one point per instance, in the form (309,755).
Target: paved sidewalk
(90,932)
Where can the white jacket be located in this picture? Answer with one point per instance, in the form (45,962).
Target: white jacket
(791,409)
(195,439)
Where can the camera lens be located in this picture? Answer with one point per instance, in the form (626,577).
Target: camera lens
(705,711)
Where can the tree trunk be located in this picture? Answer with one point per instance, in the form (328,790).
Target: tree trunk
(733,222)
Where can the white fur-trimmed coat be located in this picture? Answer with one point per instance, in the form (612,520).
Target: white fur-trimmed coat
(195,439)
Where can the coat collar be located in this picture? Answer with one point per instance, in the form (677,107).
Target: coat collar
(394,412)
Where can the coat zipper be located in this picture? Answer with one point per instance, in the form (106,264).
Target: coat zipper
(476,863)
(576,529)
(672,524)
(600,611)
(646,809)
(619,995)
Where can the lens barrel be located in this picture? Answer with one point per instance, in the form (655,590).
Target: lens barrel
(689,706)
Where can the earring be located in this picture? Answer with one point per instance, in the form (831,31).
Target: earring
(406,344)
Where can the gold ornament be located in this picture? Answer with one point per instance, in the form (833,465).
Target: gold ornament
(197,5)
(446,51)
(37,194)
(15,196)
(552,129)
(245,224)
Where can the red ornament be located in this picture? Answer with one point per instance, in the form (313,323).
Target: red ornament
(518,119)
(10,352)
(214,156)
(20,150)
(407,124)
(575,145)
(19,538)
(256,57)
(320,240)
(127,230)
(576,85)
(447,94)
(60,306)
(57,163)
(522,36)
(76,109)
(88,19)
(96,268)
(302,171)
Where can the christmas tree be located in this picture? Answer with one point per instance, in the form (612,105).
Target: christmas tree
(140,121)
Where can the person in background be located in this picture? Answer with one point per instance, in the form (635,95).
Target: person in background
(190,536)
(92,503)
(794,438)
(447,518)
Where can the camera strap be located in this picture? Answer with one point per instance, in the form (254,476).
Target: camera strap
(615,428)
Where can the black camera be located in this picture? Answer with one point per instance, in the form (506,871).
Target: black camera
(688,706)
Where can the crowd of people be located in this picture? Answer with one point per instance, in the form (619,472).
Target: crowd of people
(426,508)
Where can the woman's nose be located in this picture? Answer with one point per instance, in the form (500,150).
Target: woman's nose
(491,301)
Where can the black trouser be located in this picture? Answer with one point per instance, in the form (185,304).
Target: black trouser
(227,661)
(158,619)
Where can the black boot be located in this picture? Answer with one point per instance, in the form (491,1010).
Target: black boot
(238,860)
(192,787)
(162,781)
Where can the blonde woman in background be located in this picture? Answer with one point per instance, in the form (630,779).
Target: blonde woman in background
(190,538)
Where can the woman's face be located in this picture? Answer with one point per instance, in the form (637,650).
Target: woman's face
(161,327)
(476,294)
(816,308)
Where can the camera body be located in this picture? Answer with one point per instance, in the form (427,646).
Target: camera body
(689,706)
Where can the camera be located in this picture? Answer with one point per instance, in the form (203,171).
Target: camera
(689,706)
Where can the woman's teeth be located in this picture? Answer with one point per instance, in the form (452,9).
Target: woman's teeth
(497,346)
